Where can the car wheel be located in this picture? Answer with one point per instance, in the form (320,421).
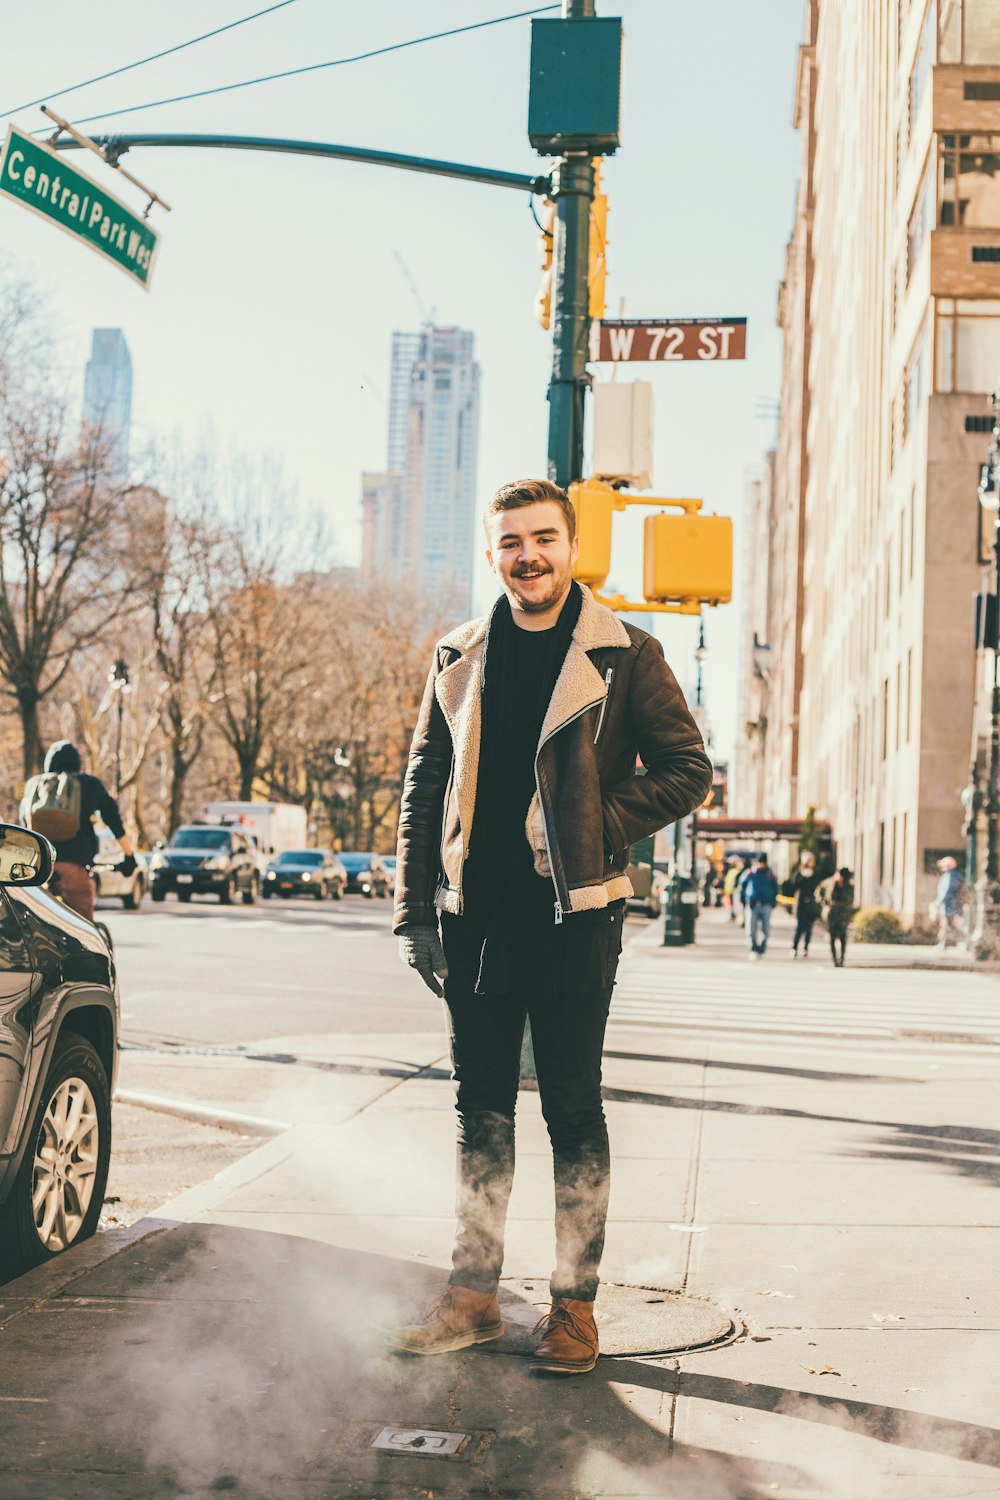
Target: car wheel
(250,894)
(323,891)
(159,895)
(338,891)
(228,893)
(58,1193)
(184,896)
(133,900)
(265,894)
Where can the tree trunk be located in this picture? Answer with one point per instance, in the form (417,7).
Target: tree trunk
(179,768)
(31,733)
(248,775)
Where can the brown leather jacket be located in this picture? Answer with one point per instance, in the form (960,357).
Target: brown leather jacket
(615,699)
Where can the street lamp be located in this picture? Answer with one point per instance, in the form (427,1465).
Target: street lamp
(680,906)
(119,679)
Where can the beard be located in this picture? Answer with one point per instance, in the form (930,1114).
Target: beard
(552,586)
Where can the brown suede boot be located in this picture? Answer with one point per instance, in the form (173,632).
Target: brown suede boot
(456,1319)
(568,1344)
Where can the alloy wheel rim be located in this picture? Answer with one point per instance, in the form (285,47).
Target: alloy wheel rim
(66,1154)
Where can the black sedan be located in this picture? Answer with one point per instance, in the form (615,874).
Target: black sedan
(305,872)
(59,1022)
(366,874)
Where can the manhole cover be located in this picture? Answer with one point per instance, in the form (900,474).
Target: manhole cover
(630,1319)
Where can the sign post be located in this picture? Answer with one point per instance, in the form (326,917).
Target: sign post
(43,181)
(617,340)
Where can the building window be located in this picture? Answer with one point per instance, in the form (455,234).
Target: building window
(885,718)
(921,221)
(913,529)
(899,703)
(969,181)
(968,31)
(909,691)
(968,344)
(917,383)
(920,76)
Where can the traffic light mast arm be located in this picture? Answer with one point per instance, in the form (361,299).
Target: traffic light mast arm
(115,146)
(618,602)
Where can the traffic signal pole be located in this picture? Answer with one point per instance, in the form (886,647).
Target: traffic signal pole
(573,193)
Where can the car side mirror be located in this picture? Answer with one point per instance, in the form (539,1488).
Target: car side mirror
(26,858)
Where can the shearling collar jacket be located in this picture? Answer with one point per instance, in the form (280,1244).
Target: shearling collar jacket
(615,700)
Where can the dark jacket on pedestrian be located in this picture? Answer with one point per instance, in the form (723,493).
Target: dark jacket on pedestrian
(761,889)
(95,800)
(840,905)
(804,888)
(615,699)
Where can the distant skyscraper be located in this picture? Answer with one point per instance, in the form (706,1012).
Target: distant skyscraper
(107,394)
(419,516)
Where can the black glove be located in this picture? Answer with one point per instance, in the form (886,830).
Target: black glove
(127,865)
(420,947)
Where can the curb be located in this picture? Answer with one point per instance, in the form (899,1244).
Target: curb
(203,1114)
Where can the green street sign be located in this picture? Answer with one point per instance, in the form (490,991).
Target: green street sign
(44,181)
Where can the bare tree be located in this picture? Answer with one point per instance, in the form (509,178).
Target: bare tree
(259,602)
(61,530)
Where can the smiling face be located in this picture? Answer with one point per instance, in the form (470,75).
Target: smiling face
(531,553)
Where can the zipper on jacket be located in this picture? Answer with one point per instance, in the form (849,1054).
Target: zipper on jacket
(541,806)
(604,706)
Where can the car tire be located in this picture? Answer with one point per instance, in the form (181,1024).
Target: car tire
(184,896)
(158,895)
(133,900)
(338,891)
(265,894)
(323,891)
(228,893)
(250,894)
(76,1069)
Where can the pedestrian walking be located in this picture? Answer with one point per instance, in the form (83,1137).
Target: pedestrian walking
(760,896)
(729,891)
(807,907)
(61,803)
(519,808)
(839,914)
(950,898)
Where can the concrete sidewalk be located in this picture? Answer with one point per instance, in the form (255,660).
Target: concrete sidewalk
(841,1211)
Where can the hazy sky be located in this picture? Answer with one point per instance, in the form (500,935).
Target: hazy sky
(276,288)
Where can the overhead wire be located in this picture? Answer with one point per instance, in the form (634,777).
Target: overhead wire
(141,61)
(337,62)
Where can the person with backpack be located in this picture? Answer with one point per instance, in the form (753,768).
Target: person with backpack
(839,913)
(760,896)
(61,804)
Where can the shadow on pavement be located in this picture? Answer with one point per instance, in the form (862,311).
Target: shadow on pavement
(770,1068)
(207,1358)
(939,1144)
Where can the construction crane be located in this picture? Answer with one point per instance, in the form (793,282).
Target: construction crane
(425,316)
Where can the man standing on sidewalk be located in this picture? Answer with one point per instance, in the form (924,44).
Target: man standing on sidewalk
(519,808)
(760,895)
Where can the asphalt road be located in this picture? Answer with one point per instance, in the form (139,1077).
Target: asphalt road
(206,973)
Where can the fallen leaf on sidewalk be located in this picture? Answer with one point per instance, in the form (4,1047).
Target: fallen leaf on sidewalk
(826,1370)
(789,1296)
(888,1317)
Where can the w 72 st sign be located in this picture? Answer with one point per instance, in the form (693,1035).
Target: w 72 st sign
(626,339)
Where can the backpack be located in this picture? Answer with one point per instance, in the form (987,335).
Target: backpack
(54,805)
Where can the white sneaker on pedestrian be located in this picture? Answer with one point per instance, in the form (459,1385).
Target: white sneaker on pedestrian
(793,954)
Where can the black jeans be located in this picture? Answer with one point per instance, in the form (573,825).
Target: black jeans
(568,1018)
(804,925)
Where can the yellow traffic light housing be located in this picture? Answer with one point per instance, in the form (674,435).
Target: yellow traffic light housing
(594,504)
(546,245)
(689,556)
(597,268)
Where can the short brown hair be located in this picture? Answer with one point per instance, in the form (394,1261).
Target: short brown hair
(529,492)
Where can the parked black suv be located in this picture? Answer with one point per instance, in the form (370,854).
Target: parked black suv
(58,1057)
(206,858)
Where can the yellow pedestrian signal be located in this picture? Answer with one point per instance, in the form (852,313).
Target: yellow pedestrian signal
(546,244)
(597,268)
(688,556)
(594,504)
